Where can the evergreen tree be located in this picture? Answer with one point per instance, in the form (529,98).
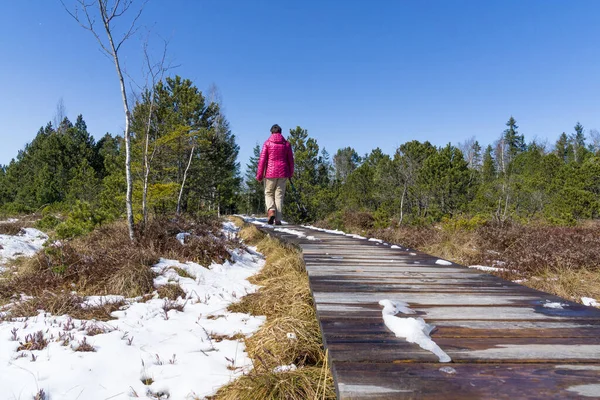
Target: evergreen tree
(577,143)
(515,142)
(488,168)
(561,148)
(345,161)
(254,199)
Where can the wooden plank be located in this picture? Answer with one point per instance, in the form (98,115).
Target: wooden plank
(470,329)
(484,350)
(327,310)
(465,381)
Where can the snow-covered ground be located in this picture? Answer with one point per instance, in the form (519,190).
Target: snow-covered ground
(26,243)
(150,350)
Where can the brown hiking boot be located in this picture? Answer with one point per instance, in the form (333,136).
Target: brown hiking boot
(271,215)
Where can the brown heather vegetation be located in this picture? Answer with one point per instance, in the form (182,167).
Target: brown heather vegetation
(14,228)
(560,260)
(286,301)
(105,262)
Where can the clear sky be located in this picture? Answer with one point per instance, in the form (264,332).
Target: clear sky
(363,73)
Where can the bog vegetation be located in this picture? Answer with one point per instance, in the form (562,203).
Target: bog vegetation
(530,205)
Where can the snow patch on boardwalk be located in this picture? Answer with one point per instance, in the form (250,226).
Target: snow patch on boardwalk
(588,301)
(414,330)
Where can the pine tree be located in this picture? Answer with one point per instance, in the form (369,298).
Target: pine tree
(254,198)
(577,141)
(515,143)
(561,148)
(345,161)
(488,168)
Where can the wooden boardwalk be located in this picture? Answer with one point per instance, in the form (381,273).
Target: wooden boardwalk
(504,343)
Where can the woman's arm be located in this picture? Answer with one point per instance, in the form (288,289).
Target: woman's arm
(262,163)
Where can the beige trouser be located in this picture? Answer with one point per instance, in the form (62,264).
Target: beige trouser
(274,194)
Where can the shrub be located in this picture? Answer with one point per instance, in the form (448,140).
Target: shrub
(82,220)
(48,222)
(358,220)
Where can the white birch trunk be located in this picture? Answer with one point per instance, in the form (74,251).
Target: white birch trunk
(183,181)
(128,199)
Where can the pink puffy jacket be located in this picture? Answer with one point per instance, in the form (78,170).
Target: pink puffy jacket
(276,159)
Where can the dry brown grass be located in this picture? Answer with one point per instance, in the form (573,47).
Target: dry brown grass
(14,227)
(33,341)
(171,291)
(286,301)
(64,304)
(84,346)
(572,284)
(106,262)
(10,228)
(303,384)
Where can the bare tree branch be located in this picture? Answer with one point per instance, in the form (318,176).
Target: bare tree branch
(88,24)
(132,29)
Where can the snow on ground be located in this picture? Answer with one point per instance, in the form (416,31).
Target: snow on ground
(443,262)
(588,301)
(149,350)
(27,243)
(414,330)
(485,268)
(291,232)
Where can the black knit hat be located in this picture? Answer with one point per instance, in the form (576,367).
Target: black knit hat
(275,129)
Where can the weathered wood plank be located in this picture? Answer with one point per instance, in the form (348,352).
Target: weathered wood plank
(328,310)
(470,329)
(485,350)
(465,381)
(437,298)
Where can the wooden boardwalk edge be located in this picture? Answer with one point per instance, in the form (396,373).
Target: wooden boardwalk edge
(505,340)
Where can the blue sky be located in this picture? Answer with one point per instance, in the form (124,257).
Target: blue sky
(363,74)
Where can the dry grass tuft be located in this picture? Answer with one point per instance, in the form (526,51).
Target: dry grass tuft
(95,329)
(169,305)
(219,338)
(11,228)
(572,284)
(183,273)
(64,304)
(84,346)
(204,246)
(33,341)
(302,384)
(291,333)
(171,291)
(250,234)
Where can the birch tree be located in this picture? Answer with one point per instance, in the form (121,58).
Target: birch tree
(85,13)
(154,73)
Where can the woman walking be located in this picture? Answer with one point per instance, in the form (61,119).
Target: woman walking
(275,166)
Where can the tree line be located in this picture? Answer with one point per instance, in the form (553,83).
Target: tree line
(421,183)
(183,159)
